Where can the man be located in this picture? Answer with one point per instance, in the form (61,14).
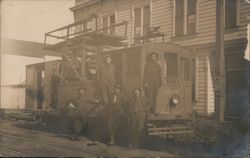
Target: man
(106,79)
(77,110)
(152,77)
(115,112)
(55,79)
(138,117)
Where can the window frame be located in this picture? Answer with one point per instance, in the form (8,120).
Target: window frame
(141,7)
(237,16)
(185,19)
(108,17)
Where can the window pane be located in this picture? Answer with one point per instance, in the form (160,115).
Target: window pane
(137,22)
(191,16)
(184,68)
(230,13)
(146,19)
(137,17)
(112,23)
(105,24)
(179,17)
(132,68)
(171,65)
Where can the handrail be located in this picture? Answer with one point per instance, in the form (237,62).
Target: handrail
(68,27)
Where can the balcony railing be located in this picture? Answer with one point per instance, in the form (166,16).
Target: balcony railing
(83,27)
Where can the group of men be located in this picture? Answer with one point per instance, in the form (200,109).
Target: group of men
(113,101)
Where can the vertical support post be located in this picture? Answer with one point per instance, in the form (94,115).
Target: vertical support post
(220,56)
(83,53)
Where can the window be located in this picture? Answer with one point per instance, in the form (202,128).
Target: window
(112,23)
(171,66)
(137,23)
(146,19)
(141,21)
(184,69)
(230,13)
(108,22)
(191,16)
(185,17)
(132,67)
(179,17)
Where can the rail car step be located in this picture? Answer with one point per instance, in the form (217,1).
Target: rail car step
(169,130)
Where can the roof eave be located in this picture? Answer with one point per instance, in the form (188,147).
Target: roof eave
(86,4)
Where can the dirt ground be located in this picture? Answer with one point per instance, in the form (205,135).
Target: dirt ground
(19,138)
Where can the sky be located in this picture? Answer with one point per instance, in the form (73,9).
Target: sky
(29,19)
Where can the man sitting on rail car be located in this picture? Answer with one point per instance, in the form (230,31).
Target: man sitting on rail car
(115,112)
(137,111)
(152,77)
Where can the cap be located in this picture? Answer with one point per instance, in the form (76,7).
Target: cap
(81,88)
(117,86)
(108,56)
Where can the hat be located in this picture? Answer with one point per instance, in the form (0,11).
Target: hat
(108,56)
(81,88)
(117,86)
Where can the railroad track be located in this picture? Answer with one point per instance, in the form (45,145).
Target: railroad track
(35,142)
(11,149)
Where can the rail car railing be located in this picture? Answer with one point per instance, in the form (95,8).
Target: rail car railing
(85,26)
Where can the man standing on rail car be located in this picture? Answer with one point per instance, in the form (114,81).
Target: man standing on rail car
(137,111)
(152,77)
(106,79)
(55,79)
(115,112)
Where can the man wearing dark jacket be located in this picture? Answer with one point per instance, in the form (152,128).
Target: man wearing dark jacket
(106,79)
(77,110)
(115,112)
(137,111)
(152,77)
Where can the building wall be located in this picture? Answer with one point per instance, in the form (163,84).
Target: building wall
(162,14)
(12,98)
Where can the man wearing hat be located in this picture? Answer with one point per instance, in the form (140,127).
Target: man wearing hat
(137,109)
(106,79)
(152,77)
(78,109)
(115,112)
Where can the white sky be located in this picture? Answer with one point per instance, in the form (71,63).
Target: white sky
(30,19)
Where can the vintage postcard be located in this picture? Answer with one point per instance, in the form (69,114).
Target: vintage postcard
(125,78)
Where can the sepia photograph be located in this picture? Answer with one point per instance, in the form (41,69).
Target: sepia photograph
(125,78)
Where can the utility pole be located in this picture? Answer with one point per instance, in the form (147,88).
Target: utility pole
(220,59)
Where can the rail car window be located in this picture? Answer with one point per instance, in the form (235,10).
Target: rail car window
(184,63)
(132,68)
(171,66)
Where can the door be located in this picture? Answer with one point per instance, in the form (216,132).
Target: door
(30,101)
(185,83)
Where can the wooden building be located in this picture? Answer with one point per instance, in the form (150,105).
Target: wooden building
(190,24)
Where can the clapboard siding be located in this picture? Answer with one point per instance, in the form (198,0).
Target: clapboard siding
(201,85)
